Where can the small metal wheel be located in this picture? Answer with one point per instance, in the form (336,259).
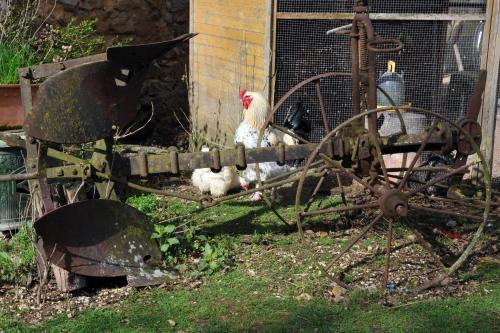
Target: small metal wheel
(432,211)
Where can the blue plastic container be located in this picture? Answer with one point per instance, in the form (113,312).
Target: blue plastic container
(393,84)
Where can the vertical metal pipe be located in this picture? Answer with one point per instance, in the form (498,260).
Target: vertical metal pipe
(356,101)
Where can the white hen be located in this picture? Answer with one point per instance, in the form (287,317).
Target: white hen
(217,184)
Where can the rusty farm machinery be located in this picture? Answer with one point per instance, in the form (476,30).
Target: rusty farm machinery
(85,101)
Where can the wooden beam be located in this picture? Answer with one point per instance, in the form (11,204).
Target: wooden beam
(382,16)
(272,78)
(490,102)
(268,49)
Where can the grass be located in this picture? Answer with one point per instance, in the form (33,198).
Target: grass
(11,59)
(234,302)
(264,290)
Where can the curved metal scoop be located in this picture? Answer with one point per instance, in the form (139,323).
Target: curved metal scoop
(85,103)
(101,238)
(90,101)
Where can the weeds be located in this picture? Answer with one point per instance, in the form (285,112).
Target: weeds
(17,257)
(26,39)
(182,244)
(73,40)
(11,59)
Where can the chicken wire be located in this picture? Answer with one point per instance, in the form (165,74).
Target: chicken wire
(440,60)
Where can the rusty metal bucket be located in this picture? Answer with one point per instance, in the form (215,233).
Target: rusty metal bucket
(11,107)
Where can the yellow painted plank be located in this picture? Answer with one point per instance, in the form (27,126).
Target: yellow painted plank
(248,24)
(224,65)
(217,83)
(241,79)
(233,4)
(237,78)
(246,55)
(227,43)
(230,10)
(229,33)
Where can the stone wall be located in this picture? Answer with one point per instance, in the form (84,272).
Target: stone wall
(145,21)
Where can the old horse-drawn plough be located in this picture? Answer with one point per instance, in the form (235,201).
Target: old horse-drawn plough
(86,101)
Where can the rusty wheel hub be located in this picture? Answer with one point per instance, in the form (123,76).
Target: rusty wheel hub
(394,203)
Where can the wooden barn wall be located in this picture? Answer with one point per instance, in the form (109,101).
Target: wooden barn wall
(231,52)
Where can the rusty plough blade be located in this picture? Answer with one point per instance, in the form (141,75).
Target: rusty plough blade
(102,238)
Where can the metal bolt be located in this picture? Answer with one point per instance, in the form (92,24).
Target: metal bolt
(74,172)
(60,173)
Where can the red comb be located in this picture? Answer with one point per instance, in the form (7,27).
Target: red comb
(242,93)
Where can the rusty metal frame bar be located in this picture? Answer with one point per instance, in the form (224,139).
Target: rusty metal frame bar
(45,70)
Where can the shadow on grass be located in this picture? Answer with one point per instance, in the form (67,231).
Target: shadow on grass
(248,220)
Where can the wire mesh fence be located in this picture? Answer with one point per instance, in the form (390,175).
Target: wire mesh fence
(439,63)
(384,6)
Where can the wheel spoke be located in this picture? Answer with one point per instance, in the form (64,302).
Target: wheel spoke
(341,209)
(388,254)
(470,204)
(425,244)
(441,178)
(337,165)
(420,150)
(390,181)
(421,169)
(354,240)
(292,172)
(285,130)
(380,158)
(418,181)
(445,212)
(342,192)
(316,190)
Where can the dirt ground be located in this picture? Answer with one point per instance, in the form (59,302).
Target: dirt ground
(408,263)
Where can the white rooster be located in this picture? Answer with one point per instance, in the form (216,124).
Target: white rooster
(217,184)
(255,111)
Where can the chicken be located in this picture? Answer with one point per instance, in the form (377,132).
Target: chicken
(224,181)
(296,121)
(256,110)
(218,184)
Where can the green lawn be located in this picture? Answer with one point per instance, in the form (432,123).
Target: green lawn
(273,285)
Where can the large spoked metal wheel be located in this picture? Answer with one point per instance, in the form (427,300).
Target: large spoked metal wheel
(444,207)
(320,168)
